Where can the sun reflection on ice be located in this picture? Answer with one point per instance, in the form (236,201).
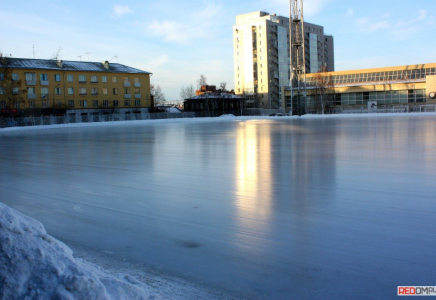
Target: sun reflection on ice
(253,177)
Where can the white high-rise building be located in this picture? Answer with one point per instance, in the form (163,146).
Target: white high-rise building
(261,56)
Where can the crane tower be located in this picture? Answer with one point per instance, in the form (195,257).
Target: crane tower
(297,55)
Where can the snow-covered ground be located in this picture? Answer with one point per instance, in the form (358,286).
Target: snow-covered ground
(34,265)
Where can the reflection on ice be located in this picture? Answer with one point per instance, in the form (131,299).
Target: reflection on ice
(253,176)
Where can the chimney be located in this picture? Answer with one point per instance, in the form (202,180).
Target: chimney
(60,63)
(105,64)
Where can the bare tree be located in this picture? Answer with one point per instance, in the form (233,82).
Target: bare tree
(187,92)
(159,97)
(223,86)
(11,93)
(324,89)
(201,81)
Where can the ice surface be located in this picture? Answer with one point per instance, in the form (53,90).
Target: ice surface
(313,207)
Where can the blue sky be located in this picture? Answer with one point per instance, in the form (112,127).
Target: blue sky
(180,40)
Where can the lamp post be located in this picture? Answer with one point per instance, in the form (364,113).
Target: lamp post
(54,107)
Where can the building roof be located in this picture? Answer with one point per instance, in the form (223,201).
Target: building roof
(49,64)
(215,96)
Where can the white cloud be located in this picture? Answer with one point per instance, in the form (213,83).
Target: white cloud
(369,25)
(155,63)
(406,29)
(198,25)
(175,32)
(363,21)
(122,10)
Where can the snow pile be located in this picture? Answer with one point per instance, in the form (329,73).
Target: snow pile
(35,265)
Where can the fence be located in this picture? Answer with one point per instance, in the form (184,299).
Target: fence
(86,118)
(93,118)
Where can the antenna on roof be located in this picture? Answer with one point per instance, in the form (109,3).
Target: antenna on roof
(33,51)
(116,57)
(88,54)
(80,56)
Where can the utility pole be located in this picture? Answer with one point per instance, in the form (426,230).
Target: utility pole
(298,64)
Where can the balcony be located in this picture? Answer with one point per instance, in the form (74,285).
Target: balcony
(44,96)
(127,96)
(137,96)
(31,96)
(44,82)
(31,82)
(126,84)
(137,84)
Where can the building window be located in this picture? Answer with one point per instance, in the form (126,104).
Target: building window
(126,79)
(114,79)
(70,78)
(82,91)
(82,78)
(127,91)
(115,102)
(71,103)
(59,103)
(70,91)
(126,102)
(137,91)
(137,102)
(15,76)
(105,103)
(15,91)
(94,91)
(136,79)
(83,103)
(31,76)
(94,103)
(43,77)
(31,104)
(57,77)
(2,76)
(104,91)
(31,90)
(45,104)
(16,104)
(58,91)
(2,91)
(115,91)
(104,78)
(94,79)
(44,92)
(2,104)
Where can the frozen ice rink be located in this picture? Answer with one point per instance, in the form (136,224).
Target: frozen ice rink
(277,208)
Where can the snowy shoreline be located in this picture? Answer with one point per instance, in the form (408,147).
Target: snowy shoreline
(34,265)
(209,119)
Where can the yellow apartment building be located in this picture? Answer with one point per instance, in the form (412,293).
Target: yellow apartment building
(45,87)
(401,88)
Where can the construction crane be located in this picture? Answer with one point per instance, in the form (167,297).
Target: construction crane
(297,63)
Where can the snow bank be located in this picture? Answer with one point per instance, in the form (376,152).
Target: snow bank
(34,265)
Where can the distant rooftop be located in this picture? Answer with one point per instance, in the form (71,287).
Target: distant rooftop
(215,95)
(67,65)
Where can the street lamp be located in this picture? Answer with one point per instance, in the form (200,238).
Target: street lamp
(54,98)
